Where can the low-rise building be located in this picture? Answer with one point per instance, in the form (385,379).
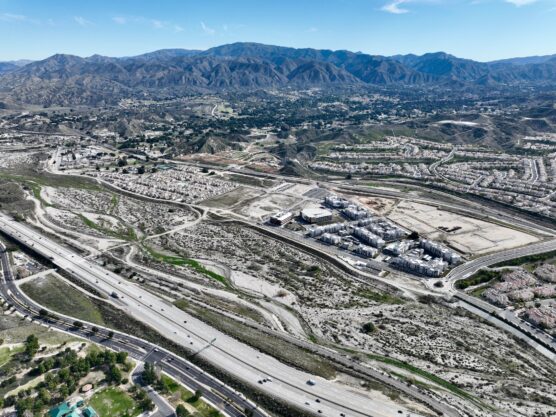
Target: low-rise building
(369,238)
(366,251)
(316,215)
(436,249)
(432,268)
(281,218)
(331,239)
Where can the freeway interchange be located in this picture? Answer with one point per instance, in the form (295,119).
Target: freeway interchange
(214,391)
(238,359)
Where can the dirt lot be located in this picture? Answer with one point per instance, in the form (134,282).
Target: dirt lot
(469,236)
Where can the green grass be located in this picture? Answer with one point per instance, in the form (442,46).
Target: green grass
(114,201)
(427,375)
(52,180)
(6,353)
(481,277)
(129,233)
(60,297)
(203,409)
(114,402)
(380,297)
(35,180)
(529,259)
(179,261)
(478,292)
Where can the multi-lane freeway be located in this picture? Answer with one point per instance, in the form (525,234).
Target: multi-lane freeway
(214,391)
(242,361)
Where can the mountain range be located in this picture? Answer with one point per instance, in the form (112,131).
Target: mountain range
(68,79)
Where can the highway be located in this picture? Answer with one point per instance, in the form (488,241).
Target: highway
(215,392)
(469,268)
(238,359)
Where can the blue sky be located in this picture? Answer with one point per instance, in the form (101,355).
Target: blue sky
(477,29)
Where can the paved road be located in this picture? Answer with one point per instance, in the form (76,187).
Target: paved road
(163,408)
(214,391)
(469,268)
(238,359)
(467,206)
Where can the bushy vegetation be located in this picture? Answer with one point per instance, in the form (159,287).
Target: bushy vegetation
(481,277)
(380,297)
(179,261)
(166,385)
(540,257)
(58,296)
(62,373)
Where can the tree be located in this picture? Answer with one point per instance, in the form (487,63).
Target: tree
(31,345)
(114,375)
(141,170)
(121,357)
(181,411)
(146,404)
(149,375)
(45,396)
(110,334)
(77,324)
(368,328)
(414,235)
(94,329)
(197,396)
(43,313)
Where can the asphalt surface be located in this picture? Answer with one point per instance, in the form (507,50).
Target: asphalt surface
(469,268)
(242,361)
(467,206)
(223,397)
(163,409)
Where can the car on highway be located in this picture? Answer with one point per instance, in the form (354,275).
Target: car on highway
(311,382)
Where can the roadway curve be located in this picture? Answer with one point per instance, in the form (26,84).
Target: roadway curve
(525,331)
(215,392)
(238,359)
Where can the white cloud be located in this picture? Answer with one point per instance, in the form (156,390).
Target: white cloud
(158,24)
(207,30)
(153,23)
(10,17)
(18,18)
(120,20)
(81,21)
(312,30)
(520,3)
(394,7)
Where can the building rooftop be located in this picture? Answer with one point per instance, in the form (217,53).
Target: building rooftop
(315,212)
